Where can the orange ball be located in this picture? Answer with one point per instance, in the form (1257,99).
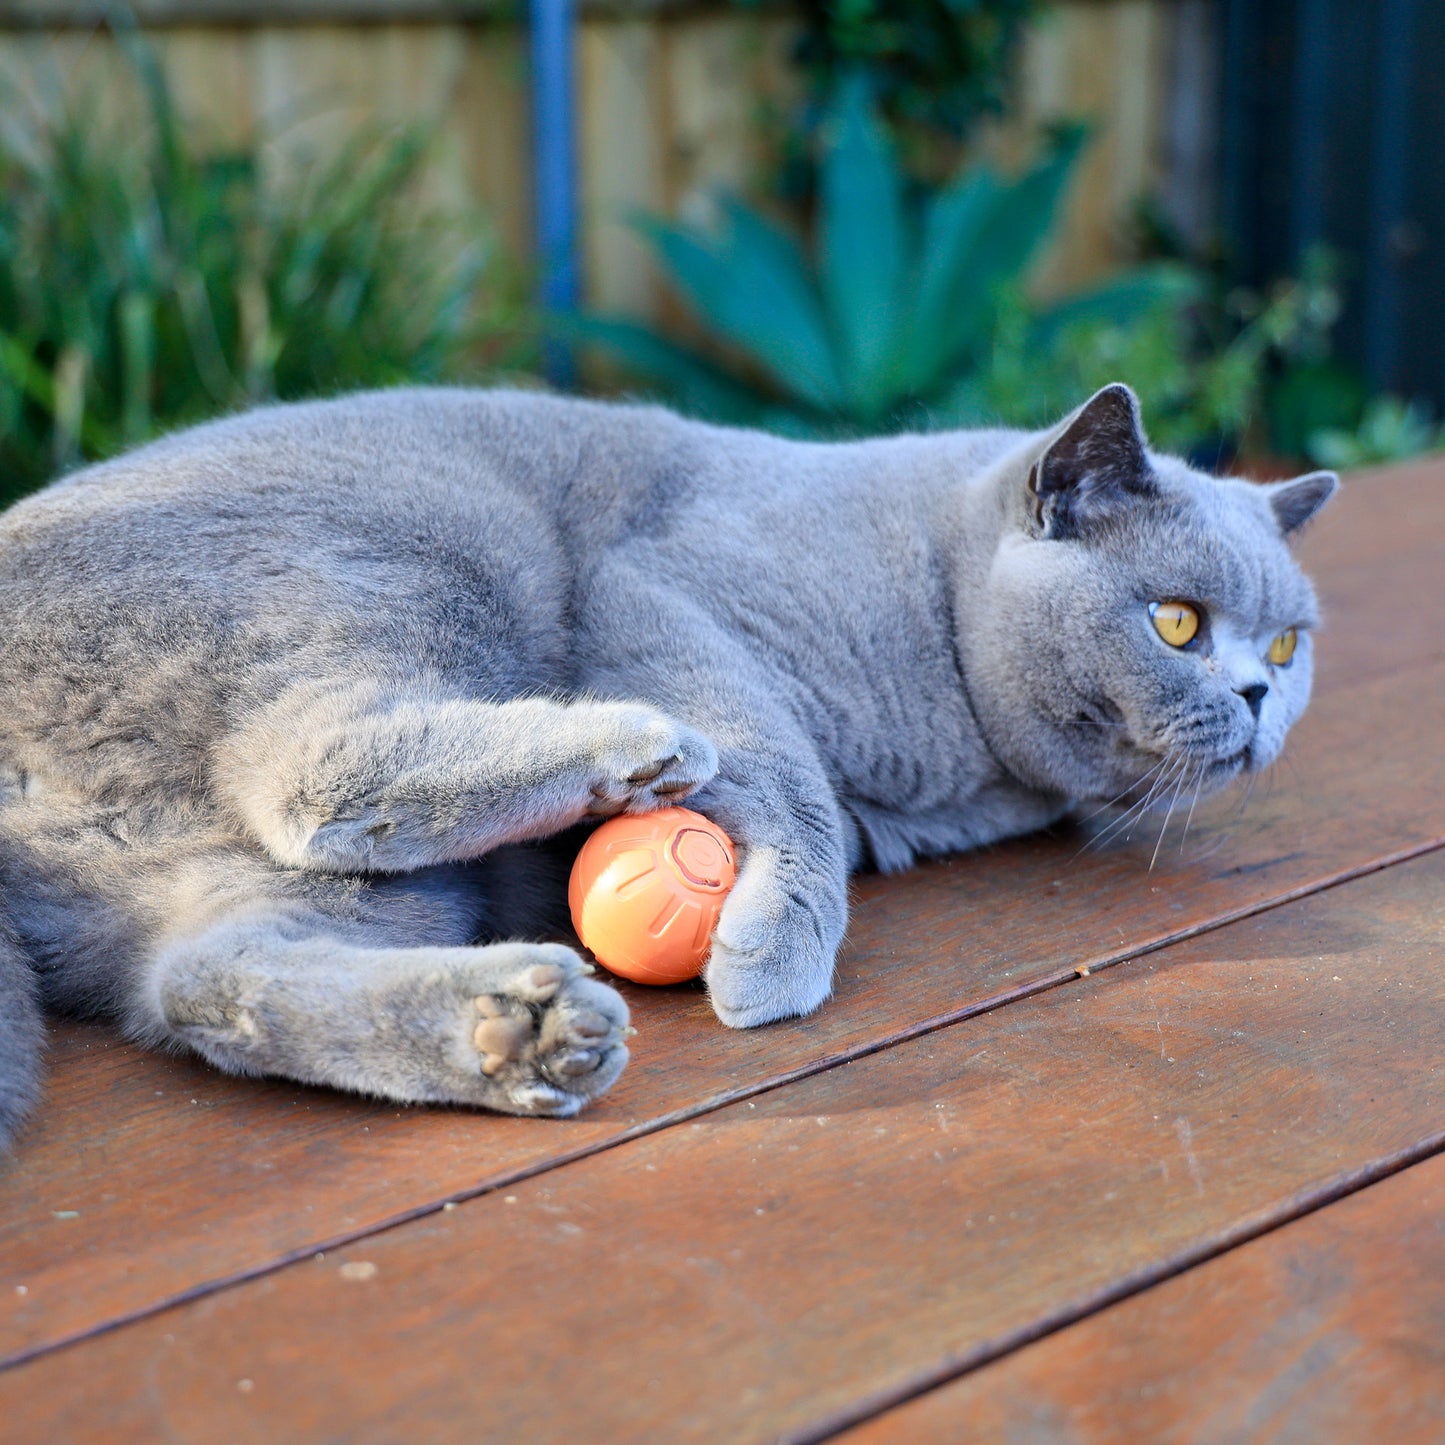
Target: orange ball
(646,892)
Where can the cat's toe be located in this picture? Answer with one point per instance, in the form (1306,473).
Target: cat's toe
(761,987)
(552,1039)
(690,762)
(656,762)
(499,1039)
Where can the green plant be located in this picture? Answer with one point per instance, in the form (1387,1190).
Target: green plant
(935,66)
(145,284)
(1390,430)
(1207,372)
(897,305)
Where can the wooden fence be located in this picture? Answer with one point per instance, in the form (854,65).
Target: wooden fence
(670,98)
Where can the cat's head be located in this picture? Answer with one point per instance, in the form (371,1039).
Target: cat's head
(1141,622)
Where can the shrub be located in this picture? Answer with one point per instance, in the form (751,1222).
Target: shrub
(145,283)
(1389,431)
(897,311)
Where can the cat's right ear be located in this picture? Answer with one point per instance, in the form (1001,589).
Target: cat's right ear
(1094,466)
(1294,503)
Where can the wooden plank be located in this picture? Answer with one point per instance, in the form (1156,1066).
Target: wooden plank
(1377,554)
(1411,583)
(1329,1329)
(786,1263)
(1381,512)
(172,1194)
(487,134)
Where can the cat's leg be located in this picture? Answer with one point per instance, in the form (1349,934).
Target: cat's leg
(776,943)
(373,779)
(777,939)
(516,1027)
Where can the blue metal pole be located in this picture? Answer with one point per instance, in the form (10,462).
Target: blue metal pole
(553,28)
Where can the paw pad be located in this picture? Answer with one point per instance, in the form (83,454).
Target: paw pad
(498,1038)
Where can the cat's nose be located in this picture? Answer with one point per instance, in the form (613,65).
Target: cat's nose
(1254,695)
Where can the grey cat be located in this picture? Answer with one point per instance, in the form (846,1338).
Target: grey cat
(284,700)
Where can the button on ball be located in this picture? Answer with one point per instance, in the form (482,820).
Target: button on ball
(646,892)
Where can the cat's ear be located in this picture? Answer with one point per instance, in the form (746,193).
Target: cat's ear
(1094,466)
(1294,503)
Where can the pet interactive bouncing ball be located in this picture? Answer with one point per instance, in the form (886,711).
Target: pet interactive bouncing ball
(646,892)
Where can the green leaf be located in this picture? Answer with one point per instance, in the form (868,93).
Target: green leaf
(862,249)
(1002,248)
(698,385)
(952,222)
(1121,301)
(138,354)
(752,285)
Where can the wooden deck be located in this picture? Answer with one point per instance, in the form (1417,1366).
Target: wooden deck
(1081,1152)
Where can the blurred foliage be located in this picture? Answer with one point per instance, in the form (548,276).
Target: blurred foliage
(895,315)
(1209,369)
(935,63)
(145,283)
(910,310)
(935,67)
(1389,431)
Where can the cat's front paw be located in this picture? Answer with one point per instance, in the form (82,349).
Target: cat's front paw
(648,761)
(772,955)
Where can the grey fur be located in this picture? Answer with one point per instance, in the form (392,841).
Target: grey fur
(283,699)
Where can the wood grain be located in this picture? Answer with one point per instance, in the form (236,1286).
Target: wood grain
(1329,1329)
(181,1177)
(1379,514)
(771,1269)
(1378,556)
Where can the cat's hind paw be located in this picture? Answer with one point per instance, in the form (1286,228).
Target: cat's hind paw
(549,1039)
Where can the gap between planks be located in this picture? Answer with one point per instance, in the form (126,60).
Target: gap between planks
(1342,545)
(1306,1204)
(672,1119)
(960,1293)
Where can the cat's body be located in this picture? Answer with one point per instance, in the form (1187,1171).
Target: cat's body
(270,689)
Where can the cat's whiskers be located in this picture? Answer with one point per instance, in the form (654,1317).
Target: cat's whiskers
(1131,815)
(1119,797)
(1226,834)
(1156,793)
(1169,812)
(1193,803)
(1113,827)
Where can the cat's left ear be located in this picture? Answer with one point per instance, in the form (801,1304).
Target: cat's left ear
(1094,466)
(1294,503)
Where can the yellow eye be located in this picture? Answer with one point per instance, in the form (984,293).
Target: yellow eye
(1282,648)
(1176,622)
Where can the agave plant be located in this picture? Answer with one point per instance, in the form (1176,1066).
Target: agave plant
(146,283)
(888,312)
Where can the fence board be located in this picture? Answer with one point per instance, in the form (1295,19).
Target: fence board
(669,101)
